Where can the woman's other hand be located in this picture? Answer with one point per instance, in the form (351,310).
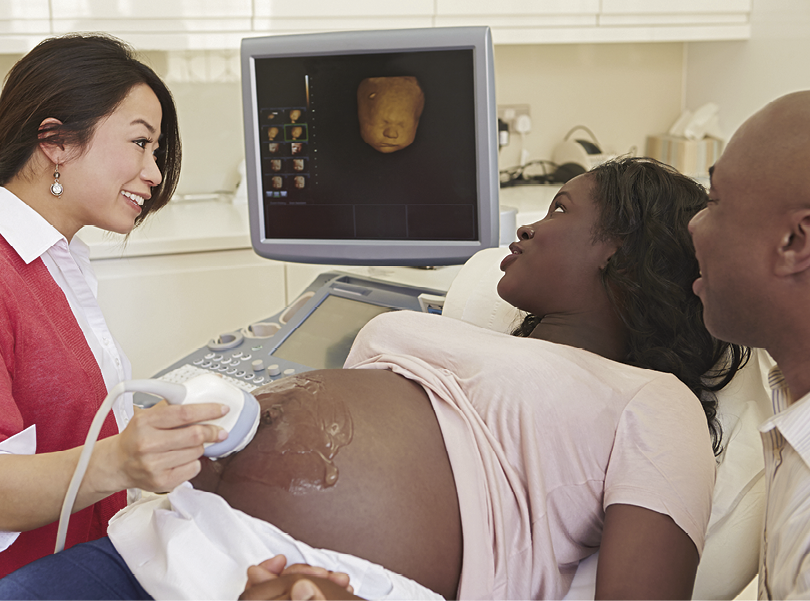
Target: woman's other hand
(272,580)
(159,449)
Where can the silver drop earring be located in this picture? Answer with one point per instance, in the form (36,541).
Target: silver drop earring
(56,187)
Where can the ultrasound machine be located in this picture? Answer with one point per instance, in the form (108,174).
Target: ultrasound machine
(318,192)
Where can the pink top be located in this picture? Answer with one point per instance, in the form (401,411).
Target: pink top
(542,438)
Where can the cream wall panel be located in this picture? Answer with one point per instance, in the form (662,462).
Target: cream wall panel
(161,308)
(622,92)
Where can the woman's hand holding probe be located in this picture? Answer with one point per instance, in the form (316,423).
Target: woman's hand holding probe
(299,582)
(159,449)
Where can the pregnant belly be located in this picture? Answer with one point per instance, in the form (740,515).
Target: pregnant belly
(354,461)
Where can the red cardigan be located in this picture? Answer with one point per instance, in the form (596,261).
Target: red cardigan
(50,378)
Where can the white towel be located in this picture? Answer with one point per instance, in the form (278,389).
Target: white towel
(190,544)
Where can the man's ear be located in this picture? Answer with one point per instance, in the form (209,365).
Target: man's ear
(55,151)
(794,252)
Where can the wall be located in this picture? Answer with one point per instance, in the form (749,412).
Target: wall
(622,92)
(741,77)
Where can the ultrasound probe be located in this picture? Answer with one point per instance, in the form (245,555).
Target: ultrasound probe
(241,423)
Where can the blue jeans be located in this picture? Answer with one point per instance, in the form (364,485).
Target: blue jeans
(91,570)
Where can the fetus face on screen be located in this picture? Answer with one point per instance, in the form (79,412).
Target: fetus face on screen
(300,182)
(295,115)
(272,133)
(296,132)
(277,182)
(389,109)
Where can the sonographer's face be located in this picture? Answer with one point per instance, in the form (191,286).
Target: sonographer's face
(116,171)
(388,109)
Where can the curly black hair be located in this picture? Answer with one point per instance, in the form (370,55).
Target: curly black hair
(647,206)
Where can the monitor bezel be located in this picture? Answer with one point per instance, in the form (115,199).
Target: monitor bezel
(378,252)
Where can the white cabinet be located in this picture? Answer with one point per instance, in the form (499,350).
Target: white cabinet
(163,307)
(159,24)
(23,23)
(185,276)
(586,21)
(289,16)
(687,20)
(221,24)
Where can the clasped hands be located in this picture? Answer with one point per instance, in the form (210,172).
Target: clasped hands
(299,582)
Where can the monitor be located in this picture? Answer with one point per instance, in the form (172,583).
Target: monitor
(371,147)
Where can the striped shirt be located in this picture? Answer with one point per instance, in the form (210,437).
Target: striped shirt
(785,555)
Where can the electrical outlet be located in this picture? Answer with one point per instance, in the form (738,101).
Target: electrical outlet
(510,112)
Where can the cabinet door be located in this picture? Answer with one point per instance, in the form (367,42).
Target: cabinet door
(23,23)
(681,7)
(159,24)
(516,7)
(687,19)
(328,15)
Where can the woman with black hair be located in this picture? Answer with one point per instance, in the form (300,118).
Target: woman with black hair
(484,465)
(88,136)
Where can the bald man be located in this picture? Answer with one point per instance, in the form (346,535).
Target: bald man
(753,245)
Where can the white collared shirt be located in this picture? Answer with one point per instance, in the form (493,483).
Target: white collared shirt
(31,236)
(785,556)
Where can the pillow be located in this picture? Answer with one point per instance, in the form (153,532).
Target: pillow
(731,556)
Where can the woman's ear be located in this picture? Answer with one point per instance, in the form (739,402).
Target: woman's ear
(55,151)
(794,252)
(611,250)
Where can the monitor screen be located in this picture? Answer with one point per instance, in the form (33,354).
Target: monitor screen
(324,339)
(371,147)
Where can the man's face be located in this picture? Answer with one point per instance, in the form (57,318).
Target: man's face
(731,237)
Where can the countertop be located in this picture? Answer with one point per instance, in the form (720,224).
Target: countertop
(212,225)
(179,227)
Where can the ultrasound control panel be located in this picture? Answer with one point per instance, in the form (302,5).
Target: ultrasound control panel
(315,332)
